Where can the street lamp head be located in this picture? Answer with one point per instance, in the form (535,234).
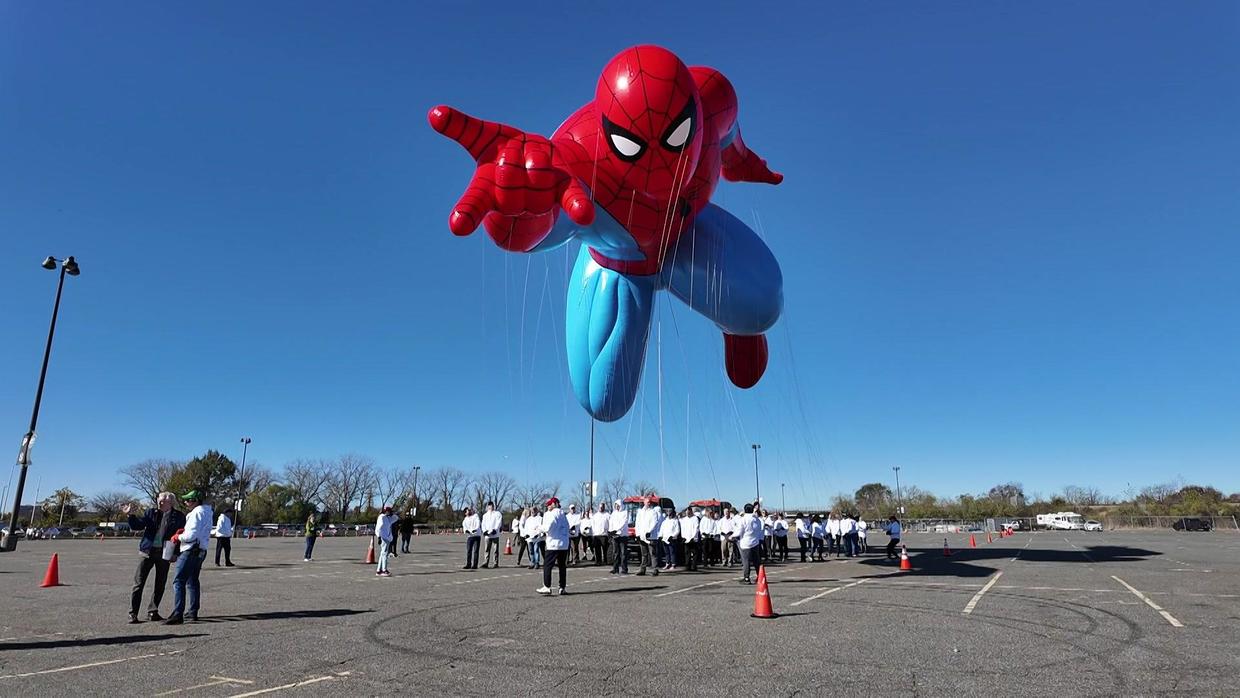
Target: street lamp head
(49,263)
(71,266)
(245,440)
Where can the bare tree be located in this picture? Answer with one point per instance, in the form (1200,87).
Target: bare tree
(351,477)
(108,504)
(449,486)
(536,493)
(391,485)
(615,488)
(150,477)
(307,479)
(255,477)
(643,488)
(494,486)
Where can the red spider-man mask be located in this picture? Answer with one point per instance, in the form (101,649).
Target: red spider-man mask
(651,119)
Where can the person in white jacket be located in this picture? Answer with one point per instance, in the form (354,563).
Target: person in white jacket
(492,523)
(669,534)
(518,532)
(727,532)
(383,531)
(618,529)
(862,527)
(645,527)
(779,527)
(223,538)
(587,533)
(690,530)
(574,534)
(710,545)
(472,526)
(835,539)
(533,532)
(803,534)
(193,542)
(602,544)
(749,539)
(555,528)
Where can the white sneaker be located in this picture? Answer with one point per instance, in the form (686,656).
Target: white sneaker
(306,560)
(545,591)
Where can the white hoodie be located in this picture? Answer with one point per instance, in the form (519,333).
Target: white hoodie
(532,528)
(555,526)
(471,524)
(618,521)
(197,528)
(644,526)
(669,530)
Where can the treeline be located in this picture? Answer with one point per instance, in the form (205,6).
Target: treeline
(1009,500)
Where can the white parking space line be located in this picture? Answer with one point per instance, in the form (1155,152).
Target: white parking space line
(832,590)
(1166,616)
(695,586)
(298,684)
(88,666)
(215,681)
(978,596)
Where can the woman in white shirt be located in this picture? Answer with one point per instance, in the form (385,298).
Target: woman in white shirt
(518,532)
(780,528)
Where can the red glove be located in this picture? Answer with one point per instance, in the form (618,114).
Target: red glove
(519,186)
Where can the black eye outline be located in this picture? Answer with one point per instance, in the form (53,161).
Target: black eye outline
(610,129)
(688,112)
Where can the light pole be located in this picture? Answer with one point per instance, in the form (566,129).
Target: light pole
(899,499)
(416,502)
(757,488)
(783,503)
(245,446)
(67,266)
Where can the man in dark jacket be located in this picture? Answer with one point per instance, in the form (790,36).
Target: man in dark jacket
(157,526)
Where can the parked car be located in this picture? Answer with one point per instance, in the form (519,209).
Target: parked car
(1191,524)
(1092,525)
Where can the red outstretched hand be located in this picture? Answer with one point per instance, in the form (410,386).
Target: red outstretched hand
(518,186)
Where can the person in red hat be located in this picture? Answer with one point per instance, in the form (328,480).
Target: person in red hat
(555,526)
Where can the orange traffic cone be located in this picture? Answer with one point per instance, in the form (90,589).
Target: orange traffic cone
(508,546)
(972,541)
(905,564)
(947,552)
(52,578)
(762,598)
(370,553)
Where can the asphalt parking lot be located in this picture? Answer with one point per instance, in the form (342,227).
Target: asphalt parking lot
(1141,613)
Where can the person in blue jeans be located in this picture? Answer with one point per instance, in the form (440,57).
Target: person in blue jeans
(194,541)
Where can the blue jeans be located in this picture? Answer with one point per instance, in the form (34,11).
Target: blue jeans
(385,546)
(310,546)
(189,564)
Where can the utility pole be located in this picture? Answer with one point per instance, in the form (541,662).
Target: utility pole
(757,487)
(899,499)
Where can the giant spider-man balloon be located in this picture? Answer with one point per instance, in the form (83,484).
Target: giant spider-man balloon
(633,171)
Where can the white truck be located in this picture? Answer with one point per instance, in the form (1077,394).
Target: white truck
(1062,521)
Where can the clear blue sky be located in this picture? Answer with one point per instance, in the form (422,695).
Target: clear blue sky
(1009,235)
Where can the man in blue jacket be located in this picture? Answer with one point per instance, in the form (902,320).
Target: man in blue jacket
(157,526)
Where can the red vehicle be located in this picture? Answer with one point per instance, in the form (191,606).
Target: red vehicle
(713,505)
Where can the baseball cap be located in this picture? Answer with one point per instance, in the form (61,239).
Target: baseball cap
(194,495)
(553,501)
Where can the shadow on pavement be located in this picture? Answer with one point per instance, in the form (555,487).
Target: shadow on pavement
(620,590)
(90,642)
(280,615)
(965,562)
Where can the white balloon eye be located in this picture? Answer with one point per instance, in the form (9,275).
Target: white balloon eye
(625,146)
(678,137)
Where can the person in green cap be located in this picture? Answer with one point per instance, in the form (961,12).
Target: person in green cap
(193,540)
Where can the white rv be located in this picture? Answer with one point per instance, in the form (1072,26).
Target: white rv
(1062,521)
